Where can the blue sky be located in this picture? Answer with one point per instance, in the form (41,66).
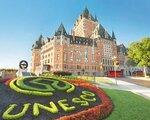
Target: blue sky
(22,21)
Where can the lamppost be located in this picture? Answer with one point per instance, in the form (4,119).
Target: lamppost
(101,68)
(115,66)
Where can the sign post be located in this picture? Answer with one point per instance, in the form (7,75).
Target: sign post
(23,65)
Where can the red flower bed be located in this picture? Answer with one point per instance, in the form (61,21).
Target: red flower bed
(96,113)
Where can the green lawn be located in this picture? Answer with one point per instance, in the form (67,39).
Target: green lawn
(97,79)
(128,106)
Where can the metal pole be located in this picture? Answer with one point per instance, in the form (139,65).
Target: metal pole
(115,75)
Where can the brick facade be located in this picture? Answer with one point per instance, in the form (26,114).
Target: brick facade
(88,49)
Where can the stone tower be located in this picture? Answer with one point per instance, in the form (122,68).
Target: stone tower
(85,24)
(36,53)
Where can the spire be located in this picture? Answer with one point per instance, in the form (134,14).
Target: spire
(61,30)
(85,13)
(96,18)
(38,44)
(113,35)
(40,37)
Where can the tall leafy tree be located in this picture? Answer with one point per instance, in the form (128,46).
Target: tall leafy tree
(130,62)
(140,52)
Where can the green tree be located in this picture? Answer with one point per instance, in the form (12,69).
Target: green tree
(130,62)
(140,52)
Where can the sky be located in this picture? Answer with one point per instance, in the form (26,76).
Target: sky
(22,22)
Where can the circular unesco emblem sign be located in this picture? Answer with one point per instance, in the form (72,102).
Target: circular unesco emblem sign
(44,98)
(23,64)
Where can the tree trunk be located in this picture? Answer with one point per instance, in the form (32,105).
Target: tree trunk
(145,72)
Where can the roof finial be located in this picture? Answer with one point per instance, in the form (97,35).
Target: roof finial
(40,37)
(86,11)
(96,18)
(113,35)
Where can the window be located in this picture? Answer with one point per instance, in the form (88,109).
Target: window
(57,56)
(71,56)
(78,56)
(65,57)
(92,54)
(86,55)
(78,67)
(48,61)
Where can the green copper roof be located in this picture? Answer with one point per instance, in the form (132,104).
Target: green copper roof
(61,30)
(96,18)
(86,14)
(113,35)
(121,48)
(38,44)
(103,33)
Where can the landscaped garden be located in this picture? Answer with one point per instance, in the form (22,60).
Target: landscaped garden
(44,98)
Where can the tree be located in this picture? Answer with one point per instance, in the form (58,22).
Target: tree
(139,52)
(130,62)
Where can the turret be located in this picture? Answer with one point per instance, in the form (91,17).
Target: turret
(96,18)
(38,44)
(113,35)
(61,30)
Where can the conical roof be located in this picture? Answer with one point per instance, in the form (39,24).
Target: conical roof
(113,35)
(38,43)
(61,30)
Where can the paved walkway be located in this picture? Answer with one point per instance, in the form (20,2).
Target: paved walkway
(123,85)
(140,82)
(139,78)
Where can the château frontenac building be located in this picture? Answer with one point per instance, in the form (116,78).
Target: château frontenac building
(89,49)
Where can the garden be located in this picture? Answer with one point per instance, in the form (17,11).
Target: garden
(43,98)
(50,97)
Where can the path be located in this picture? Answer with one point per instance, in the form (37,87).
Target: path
(138,80)
(123,85)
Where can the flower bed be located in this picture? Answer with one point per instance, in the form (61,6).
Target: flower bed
(24,85)
(58,99)
(96,113)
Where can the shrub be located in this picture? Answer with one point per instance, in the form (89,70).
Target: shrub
(20,86)
(52,108)
(96,113)
(62,73)
(63,104)
(6,114)
(28,92)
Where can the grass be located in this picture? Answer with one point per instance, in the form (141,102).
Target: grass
(128,106)
(97,79)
